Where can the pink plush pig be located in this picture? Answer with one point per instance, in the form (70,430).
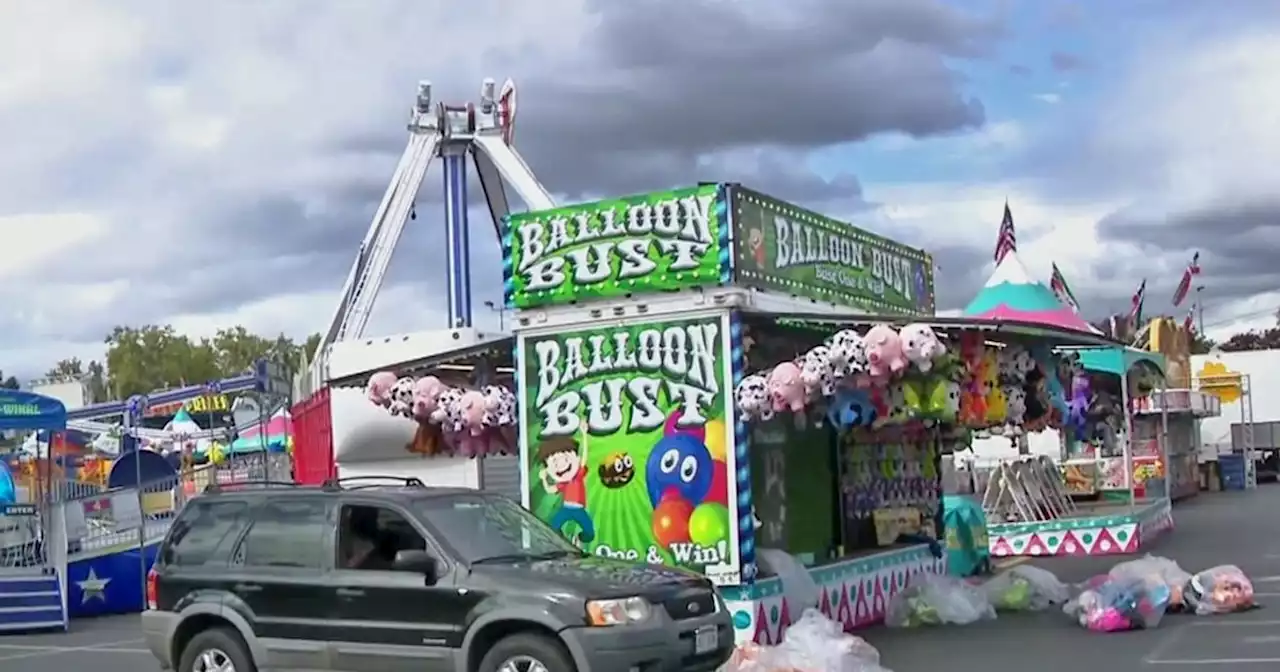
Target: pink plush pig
(471,407)
(379,388)
(786,388)
(426,396)
(885,357)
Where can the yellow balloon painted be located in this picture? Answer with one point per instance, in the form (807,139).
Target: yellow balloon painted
(717,439)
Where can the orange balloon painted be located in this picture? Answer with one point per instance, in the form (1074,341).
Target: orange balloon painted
(671,521)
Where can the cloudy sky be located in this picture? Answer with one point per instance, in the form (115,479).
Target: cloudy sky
(212,164)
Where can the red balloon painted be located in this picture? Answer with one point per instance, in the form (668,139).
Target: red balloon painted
(719,492)
(699,432)
(671,520)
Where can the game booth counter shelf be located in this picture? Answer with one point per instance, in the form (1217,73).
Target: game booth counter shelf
(1027,500)
(717,380)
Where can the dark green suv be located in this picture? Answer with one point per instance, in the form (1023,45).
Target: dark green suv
(361,575)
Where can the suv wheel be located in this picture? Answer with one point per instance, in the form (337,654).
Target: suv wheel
(527,653)
(216,650)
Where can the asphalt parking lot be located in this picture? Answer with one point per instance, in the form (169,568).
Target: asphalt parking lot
(1220,528)
(1212,529)
(103,645)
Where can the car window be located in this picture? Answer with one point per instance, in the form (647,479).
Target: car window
(286,533)
(486,527)
(201,529)
(369,537)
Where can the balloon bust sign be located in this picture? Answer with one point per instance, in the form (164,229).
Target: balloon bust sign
(713,379)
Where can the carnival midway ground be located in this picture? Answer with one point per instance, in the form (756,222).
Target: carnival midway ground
(1239,528)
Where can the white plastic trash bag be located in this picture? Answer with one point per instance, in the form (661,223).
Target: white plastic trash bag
(798,586)
(932,599)
(814,643)
(1025,588)
(1153,569)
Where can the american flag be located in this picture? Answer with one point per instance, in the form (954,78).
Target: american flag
(1007,240)
(1058,284)
(1135,310)
(1184,287)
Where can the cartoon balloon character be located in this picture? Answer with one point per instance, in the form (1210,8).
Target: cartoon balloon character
(679,463)
(672,426)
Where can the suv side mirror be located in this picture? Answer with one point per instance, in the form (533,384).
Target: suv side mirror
(418,562)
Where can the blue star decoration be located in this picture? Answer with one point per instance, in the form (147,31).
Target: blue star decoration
(93,587)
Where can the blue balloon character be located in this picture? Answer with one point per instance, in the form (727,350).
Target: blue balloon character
(851,408)
(682,462)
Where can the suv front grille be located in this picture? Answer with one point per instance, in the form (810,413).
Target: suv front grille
(690,604)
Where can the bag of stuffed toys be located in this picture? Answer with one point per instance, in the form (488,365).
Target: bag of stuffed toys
(1156,571)
(1218,590)
(814,643)
(1025,588)
(931,599)
(1117,605)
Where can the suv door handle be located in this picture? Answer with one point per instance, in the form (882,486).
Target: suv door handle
(350,592)
(246,588)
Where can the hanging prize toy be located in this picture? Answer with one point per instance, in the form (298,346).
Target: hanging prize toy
(997,409)
(1078,404)
(973,404)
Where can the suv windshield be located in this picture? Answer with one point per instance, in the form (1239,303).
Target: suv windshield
(484,529)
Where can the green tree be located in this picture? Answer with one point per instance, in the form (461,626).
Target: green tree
(66,369)
(9,383)
(96,381)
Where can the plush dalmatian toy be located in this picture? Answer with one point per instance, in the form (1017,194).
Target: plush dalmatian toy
(1015,408)
(846,354)
(752,398)
(448,413)
(816,372)
(499,406)
(401,398)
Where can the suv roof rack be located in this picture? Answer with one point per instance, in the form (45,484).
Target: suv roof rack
(217,487)
(363,482)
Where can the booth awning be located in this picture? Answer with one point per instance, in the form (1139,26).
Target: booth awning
(1120,361)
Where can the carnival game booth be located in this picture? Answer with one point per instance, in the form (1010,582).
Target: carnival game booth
(447,419)
(700,384)
(1027,510)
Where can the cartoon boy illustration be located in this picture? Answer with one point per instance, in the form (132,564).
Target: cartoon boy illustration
(564,471)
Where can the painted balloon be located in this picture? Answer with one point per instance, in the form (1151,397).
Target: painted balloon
(671,427)
(671,520)
(719,492)
(709,524)
(717,439)
(678,461)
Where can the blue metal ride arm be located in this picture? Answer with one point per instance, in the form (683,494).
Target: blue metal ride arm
(241,383)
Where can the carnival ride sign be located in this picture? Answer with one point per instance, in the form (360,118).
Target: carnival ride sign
(661,241)
(778,246)
(628,444)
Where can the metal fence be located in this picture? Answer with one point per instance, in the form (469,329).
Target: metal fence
(123,518)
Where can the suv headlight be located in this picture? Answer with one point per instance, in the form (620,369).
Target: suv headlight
(620,611)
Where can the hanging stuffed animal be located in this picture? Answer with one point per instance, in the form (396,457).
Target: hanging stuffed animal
(402,398)
(816,372)
(847,355)
(499,406)
(850,408)
(786,388)
(1055,395)
(1078,404)
(426,396)
(921,346)
(447,413)
(1015,399)
(994,396)
(752,398)
(379,388)
(884,353)
(973,398)
(936,399)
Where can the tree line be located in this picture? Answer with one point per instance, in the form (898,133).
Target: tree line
(156,357)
